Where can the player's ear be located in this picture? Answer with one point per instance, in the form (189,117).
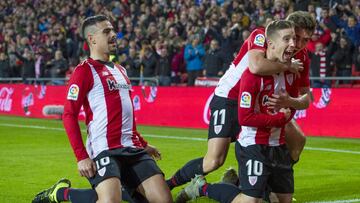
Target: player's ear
(91,39)
(269,42)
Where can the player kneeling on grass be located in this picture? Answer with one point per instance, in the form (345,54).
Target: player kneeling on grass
(261,151)
(116,155)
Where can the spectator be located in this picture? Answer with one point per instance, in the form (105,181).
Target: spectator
(163,68)
(351,28)
(58,68)
(4,65)
(321,35)
(194,51)
(343,59)
(132,65)
(28,64)
(356,59)
(320,65)
(178,65)
(148,61)
(213,61)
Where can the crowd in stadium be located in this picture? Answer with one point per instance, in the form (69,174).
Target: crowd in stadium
(41,38)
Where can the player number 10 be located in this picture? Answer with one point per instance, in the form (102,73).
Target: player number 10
(102,162)
(254,167)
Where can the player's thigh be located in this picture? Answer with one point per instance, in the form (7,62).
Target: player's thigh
(254,169)
(223,119)
(242,198)
(281,179)
(107,166)
(284,197)
(294,136)
(109,190)
(144,170)
(155,189)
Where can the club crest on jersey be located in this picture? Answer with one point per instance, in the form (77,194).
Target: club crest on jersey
(217,129)
(102,171)
(290,78)
(73,92)
(245,101)
(252,180)
(259,40)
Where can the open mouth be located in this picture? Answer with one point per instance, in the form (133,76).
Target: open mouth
(287,55)
(112,42)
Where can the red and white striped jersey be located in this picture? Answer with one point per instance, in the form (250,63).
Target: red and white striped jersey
(228,85)
(104,92)
(260,125)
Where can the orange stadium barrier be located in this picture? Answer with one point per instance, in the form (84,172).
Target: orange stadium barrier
(334,112)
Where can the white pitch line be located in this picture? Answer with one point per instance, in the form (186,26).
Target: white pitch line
(338,201)
(173,137)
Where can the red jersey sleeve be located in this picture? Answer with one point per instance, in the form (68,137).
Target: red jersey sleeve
(79,85)
(257,40)
(304,75)
(248,115)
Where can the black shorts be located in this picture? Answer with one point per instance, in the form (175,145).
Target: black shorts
(261,165)
(132,166)
(224,118)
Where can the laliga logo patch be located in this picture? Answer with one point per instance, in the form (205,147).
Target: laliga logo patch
(102,171)
(252,180)
(217,128)
(245,100)
(259,40)
(73,93)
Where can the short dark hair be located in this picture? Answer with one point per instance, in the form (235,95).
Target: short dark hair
(277,25)
(303,20)
(92,20)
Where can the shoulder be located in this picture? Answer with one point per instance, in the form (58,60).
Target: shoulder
(257,37)
(83,68)
(303,55)
(248,76)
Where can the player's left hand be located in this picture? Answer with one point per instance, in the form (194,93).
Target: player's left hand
(153,151)
(278,101)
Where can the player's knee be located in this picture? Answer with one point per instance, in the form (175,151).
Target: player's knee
(110,199)
(216,163)
(161,199)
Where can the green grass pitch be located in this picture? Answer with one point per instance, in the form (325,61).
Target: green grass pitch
(35,153)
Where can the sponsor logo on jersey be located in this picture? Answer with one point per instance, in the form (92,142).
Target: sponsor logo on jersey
(217,129)
(105,73)
(259,40)
(245,100)
(252,180)
(113,85)
(73,93)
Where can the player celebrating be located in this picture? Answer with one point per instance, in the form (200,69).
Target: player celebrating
(223,126)
(115,154)
(261,151)
(257,120)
